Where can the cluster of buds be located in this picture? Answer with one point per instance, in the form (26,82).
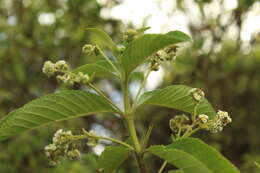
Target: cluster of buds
(50,68)
(65,75)
(197,94)
(61,147)
(167,54)
(179,122)
(90,49)
(91,136)
(130,35)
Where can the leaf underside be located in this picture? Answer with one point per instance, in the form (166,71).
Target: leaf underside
(51,108)
(193,156)
(144,46)
(112,157)
(176,97)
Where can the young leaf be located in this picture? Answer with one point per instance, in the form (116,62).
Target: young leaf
(102,39)
(100,68)
(112,157)
(144,46)
(51,108)
(193,156)
(176,97)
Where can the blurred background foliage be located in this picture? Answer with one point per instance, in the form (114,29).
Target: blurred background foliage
(226,68)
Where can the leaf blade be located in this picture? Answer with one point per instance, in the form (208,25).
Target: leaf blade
(176,97)
(144,46)
(100,69)
(190,151)
(51,108)
(112,157)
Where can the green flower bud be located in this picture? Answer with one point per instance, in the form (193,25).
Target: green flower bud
(88,49)
(73,155)
(61,66)
(120,48)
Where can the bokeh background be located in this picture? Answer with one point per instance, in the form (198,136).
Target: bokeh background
(223,60)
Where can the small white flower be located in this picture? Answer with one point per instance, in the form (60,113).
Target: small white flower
(203,118)
(224,117)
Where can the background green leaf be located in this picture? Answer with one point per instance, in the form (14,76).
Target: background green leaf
(144,46)
(112,157)
(194,156)
(176,97)
(51,108)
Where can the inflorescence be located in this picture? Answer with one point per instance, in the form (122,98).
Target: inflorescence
(64,75)
(62,145)
(183,125)
(167,54)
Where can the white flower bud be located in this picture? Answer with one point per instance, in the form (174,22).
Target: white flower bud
(203,118)
(197,94)
(61,66)
(224,117)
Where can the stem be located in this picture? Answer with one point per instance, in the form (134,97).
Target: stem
(108,60)
(131,126)
(191,132)
(86,136)
(132,131)
(105,97)
(142,85)
(148,134)
(162,167)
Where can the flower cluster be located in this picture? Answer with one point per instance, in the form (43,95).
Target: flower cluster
(221,120)
(50,68)
(197,94)
(167,54)
(60,147)
(65,75)
(130,35)
(90,49)
(179,122)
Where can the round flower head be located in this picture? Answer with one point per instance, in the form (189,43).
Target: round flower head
(224,117)
(49,68)
(73,154)
(61,66)
(197,94)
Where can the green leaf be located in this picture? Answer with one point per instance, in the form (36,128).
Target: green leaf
(193,156)
(112,157)
(100,69)
(102,39)
(144,46)
(51,108)
(176,97)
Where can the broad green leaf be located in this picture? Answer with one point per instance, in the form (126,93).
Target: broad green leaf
(51,108)
(100,68)
(112,157)
(176,97)
(176,171)
(144,46)
(102,39)
(193,156)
